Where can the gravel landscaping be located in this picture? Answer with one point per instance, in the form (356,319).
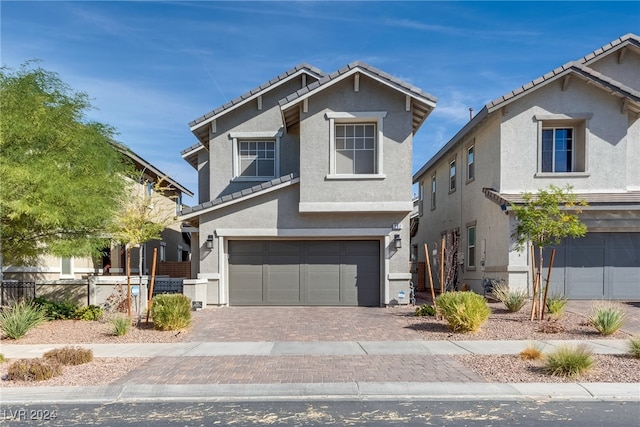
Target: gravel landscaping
(502,325)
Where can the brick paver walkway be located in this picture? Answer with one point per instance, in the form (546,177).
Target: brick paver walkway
(299,369)
(303,324)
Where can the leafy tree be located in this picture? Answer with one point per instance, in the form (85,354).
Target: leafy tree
(60,178)
(546,218)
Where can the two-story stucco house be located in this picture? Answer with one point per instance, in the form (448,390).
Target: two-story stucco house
(305,190)
(577,125)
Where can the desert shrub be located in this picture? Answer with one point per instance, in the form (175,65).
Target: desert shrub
(464,311)
(556,304)
(425,310)
(514,300)
(2,358)
(569,361)
(171,311)
(33,370)
(634,347)
(70,355)
(58,310)
(531,352)
(607,318)
(16,321)
(89,312)
(120,325)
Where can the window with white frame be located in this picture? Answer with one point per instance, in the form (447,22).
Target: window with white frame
(420,198)
(178,201)
(471,163)
(562,143)
(180,252)
(256,155)
(356,144)
(452,175)
(66,268)
(433,192)
(471,246)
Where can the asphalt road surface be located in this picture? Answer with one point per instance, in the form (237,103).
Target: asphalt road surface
(328,413)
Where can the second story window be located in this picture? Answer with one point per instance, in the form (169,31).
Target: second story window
(256,159)
(452,176)
(471,164)
(557,150)
(255,155)
(433,192)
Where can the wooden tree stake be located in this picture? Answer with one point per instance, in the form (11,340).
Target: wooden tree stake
(153,278)
(546,289)
(428,258)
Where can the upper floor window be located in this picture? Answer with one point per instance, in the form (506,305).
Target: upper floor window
(356,144)
(562,143)
(452,175)
(433,192)
(471,163)
(420,198)
(162,251)
(178,201)
(471,246)
(256,155)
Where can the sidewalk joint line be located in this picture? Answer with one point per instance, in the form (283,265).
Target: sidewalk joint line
(461,347)
(363,349)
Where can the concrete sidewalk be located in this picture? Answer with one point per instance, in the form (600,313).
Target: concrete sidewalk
(343,363)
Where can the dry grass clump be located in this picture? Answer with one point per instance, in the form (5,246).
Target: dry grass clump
(70,355)
(531,352)
(569,361)
(33,370)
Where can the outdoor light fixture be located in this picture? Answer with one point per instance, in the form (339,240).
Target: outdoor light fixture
(209,243)
(397,241)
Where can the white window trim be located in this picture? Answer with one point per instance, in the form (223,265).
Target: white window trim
(433,191)
(475,245)
(163,251)
(455,176)
(471,178)
(356,117)
(574,117)
(272,135)
(71,267)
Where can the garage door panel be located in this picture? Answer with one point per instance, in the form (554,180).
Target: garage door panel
(305,273)
(586,276)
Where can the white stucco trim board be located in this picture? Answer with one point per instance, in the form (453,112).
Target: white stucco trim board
(356,207)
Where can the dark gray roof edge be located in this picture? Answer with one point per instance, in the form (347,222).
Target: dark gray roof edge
(133,156)
(476,120)
(191,148)
(391,80)
(596,198)
(629,38)
(309,69)
(239,195)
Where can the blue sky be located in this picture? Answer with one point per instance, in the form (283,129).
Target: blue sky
(151,67)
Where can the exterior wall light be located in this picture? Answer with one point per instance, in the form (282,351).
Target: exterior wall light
(209,243)
(397,241)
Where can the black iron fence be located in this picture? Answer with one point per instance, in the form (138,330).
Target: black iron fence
(14,291)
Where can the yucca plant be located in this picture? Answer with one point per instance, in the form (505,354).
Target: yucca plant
(16,321)
(634,347)
(556,305)
(607,317)
(514,300)
(464,311)
(569,361)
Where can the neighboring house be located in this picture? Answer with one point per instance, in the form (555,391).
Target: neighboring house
(174,246)
(305,190)
(576,125)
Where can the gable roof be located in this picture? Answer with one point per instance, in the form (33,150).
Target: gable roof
(148,167)
(574,68)
(239,196)
(198,124)
(421,106)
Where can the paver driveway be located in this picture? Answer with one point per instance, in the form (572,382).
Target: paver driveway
(303,324)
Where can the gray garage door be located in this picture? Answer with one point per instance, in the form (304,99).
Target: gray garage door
(598,266)
(304,272)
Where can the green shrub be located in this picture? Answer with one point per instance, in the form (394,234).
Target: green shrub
(556,304)
(569,361)
(425,310)
(120,325)
(607,318)
(464,311)
(33,370)
(512,299)
(171,311)
(634,347)
(16,321)
(58,310)
(2,358)
(89,312)
(70,355)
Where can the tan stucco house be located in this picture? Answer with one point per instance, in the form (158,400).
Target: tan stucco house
(576,125)
(305,192)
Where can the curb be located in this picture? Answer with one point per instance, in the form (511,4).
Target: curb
(322,391)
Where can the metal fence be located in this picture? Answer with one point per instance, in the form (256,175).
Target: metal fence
(167,286)
(14,291)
